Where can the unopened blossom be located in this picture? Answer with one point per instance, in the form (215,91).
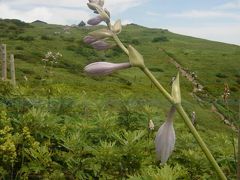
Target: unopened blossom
(103,13)
(98,2)
(150,125)
(95,21)
(104,68)
(165,138)
(117,27)
(89,39)
(100,45)
(226,92)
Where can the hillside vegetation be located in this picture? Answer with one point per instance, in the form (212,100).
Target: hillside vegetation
(60,124)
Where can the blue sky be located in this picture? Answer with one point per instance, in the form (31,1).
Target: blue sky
(217,20)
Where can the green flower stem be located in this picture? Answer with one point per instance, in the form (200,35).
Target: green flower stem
(120,44)
(200,141)
(179,108)
(188,123)
(117,40)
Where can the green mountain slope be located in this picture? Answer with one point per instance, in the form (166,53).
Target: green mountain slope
(127,97)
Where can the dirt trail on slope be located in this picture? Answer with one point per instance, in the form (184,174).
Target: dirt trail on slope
(197,86)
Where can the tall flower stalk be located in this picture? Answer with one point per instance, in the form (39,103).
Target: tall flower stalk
(164,144)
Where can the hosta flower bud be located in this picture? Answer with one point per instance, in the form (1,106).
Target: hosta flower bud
(108,13)
(104,15)
(135,58)
(101,33)
(165,138)
(117,27)
(95,21)
(91,5)
(104,68)
(89,39)
(101,45)
(99,2)
(150,125)
(176,94)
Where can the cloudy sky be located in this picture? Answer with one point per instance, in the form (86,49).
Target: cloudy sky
(210,19)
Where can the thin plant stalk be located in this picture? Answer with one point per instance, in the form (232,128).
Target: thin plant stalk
(181,111)
(170,98)
(188,122)
(117,40)
(233,141)
(238,158)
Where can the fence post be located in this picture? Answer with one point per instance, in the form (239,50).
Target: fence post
(12,69)
(4,61)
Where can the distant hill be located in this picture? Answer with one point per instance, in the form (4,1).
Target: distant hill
(38,21)
(214,63)
(61,124)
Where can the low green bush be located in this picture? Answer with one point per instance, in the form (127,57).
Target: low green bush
(160,39)
(221,75)
(26,38)
(46,37)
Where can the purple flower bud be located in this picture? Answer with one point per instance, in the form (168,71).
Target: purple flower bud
(98,2)
(104,68)
(100,45)
(95,21)
(165,138)
(89,39)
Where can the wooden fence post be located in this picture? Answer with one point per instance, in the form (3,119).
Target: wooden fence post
(12,69)
(4,61)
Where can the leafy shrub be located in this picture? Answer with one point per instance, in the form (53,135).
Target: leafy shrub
(12,27)
(238,81)
(5,89)
(22,56)
(135,42)
(155,69)
(131,120)
(237,75)
(19,48)
(85,51)
(234,89)
(160,39)
(18,23)
(37,54)
(221,75)
(46,37)
(26,38)
(115,51)
(27,71)
(71,47)
(166,173)
(68,39)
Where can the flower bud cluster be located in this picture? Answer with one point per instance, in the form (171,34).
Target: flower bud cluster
(226,93)
(51,57)
(28,139)
(97,7)
(98,39)
(7,145)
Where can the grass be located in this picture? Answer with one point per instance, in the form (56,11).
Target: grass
(92,97)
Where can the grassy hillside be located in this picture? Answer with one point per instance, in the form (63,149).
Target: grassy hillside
(97,127)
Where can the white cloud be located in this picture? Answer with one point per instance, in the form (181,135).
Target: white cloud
(200,14)
(47,3)
(204,14)
(117,6)
(230,5)
(58,11)
(228,33)
(153,14)
(47,14)
(126,21)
